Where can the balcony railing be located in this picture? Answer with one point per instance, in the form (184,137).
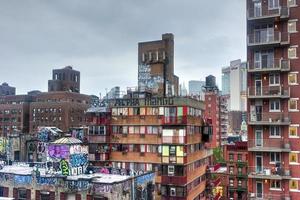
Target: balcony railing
(265,12)
(269,118)
(264,38)
(269,92)
(275,173)
(261,196)
(268,145)
(269,65)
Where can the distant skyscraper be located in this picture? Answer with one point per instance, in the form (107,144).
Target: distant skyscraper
(183,91)
(114,93)
(196,87)
(234,84)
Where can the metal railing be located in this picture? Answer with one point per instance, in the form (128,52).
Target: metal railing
(269,118)
(262,38)
(265,12)
(269,64)
(269,171)
(269,91)
(274,143)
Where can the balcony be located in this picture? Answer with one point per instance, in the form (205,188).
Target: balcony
(269,65)
(274,173)
(265,14)
(135,138)
(260,196)
(269,118)
(99,157)
(268,92)
(264,39)
(98,138)
(269,145)
(135,157)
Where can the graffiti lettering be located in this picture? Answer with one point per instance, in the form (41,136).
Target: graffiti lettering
(77,185)
(78,160)
(64,167)
(58,151)
(20,179)
(101,188)
(47,181)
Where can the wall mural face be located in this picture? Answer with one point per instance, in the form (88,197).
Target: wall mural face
(146,80)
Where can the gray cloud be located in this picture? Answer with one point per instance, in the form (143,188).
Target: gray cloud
(100,38)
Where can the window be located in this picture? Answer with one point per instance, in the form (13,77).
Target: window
(231,157)
(275,184)
(239,170)
(274,105)
(274,157)
(274,79)
(172,191)
(273,4)
(292,52)
(294,184)
(293,157)
(171,170)
(22,194)
(293,78)
(292,26)
(293,132)
(274,131)
(239,157)
(239,183)
(230,182)
(231,170)
(292,2)
(293,104)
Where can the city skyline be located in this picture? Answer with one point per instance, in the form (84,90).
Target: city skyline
(97,42)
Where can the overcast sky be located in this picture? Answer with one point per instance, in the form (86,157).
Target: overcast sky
(99,38)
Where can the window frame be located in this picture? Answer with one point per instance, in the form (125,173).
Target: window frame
(296,104)
(289,52)
(273,77)
(290,156)
(275,156)
(272,101)
(294,22)
(296,131)
(277,132)
(296,78)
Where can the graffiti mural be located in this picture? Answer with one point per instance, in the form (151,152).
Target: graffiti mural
(46,181)
(58,151)
(77,149)
(78,160)
(102,188)
(77,185)
(64,165)
(21,179)
(43,136)
(78,133)
(144,186)
(146,80)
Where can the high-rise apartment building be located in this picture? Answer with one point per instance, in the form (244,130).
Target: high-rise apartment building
(65,79)
(273,98)
(156,66)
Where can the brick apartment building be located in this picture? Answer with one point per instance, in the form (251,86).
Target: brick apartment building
(156,66)
(65,79)
(60,109)
(273,95)
(5,89)
(14,113)
(166,135)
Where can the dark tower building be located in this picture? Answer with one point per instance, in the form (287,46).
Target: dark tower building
(156,66)
(65,79)
(5,89)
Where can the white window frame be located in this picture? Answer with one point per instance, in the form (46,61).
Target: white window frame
(274,101)
(277,130)
(291,3)
(293,73)
(275,157)
(275,188)
(171,170)
(273,3)
(293,99)
(294,163)
(273,77)
(293,21)
(294,125)
(294,55)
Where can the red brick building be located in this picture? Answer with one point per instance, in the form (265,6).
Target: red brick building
(273,98)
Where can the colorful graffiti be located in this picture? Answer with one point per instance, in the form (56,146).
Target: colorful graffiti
(43,136)
(77,149)
(77,185)
(102,188)
(46,180)
(22,179)
(58,151)
(77,133)
(78,160)
(123,172)
(145,179)
(64,165)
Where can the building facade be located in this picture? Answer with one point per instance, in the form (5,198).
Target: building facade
(273,98)
(65,79)
(5,89)
(156,66)
(62,109)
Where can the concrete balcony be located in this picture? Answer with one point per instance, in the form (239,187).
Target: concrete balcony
(262,39)
(267,65)
(268,15)
(268,196)
(274,173)
(269,118)
(269,145)
(268,92)
(98,138)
